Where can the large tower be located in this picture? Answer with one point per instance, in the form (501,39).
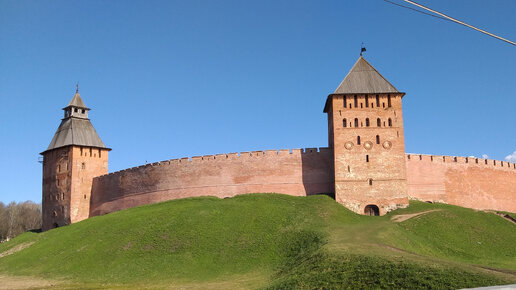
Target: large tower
(74,157)
(365,130)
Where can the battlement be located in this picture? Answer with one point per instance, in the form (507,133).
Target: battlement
(228,156)
(491,163)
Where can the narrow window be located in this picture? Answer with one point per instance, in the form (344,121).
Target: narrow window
(75,110)
(377,139)
(83,165)
(85,196)
(377,101)
(91,152)
(383,105)
(356,122)
(100,153)
(485,161)
(390,122)
(476,160)
(367,122)
(81,151)
(358,140)
(344,123)
(366,101)
(349,169)
(350,106)
(378,122)
(361,106)
(356,101)
(83,111)
(370,182)
(345,102)
(389,101)
(367,158)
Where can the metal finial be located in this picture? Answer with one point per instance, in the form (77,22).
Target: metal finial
(362,49)
(77,87)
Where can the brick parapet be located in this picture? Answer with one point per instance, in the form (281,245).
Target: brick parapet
(290,171)
(477,183)
(473,161)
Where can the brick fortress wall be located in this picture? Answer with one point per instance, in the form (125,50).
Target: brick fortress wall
(464,181)
(468,182)
(295,172)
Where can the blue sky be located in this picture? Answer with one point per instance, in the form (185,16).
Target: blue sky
(169,79)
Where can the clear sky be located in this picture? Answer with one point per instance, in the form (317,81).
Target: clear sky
(170,79)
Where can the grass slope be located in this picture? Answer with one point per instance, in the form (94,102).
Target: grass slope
(270,240)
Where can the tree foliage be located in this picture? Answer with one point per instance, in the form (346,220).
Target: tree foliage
(17,218)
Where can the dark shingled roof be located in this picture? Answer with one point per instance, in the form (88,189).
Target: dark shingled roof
(77,102)
(75,130)
(363,78)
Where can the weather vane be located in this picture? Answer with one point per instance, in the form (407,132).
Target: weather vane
(362,49)
(77,87)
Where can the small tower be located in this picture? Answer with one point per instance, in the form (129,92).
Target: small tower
(365,130)
(74,157)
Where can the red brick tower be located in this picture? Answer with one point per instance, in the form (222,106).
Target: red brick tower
(74,157)
(365,130)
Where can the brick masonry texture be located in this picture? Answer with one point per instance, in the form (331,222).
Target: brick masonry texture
(464,181)
(295,172)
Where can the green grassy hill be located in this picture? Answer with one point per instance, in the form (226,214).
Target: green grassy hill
(271,241)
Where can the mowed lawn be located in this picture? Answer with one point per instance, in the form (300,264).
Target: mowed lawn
(270,241)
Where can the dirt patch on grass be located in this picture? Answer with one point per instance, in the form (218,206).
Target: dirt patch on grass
(15,249)
(403,217)
(19,282)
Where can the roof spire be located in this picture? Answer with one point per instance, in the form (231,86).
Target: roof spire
(77,87)
(362,49)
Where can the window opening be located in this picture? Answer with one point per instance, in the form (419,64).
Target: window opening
(344,123)
(389,101)
(370,181)
(377,139)
(345,102)
(367,158)
(378,122)
(377,100)
(367,101)
(356,122)
(356,101)
(358,140)
(367,122)
(390,122)
(83,165)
